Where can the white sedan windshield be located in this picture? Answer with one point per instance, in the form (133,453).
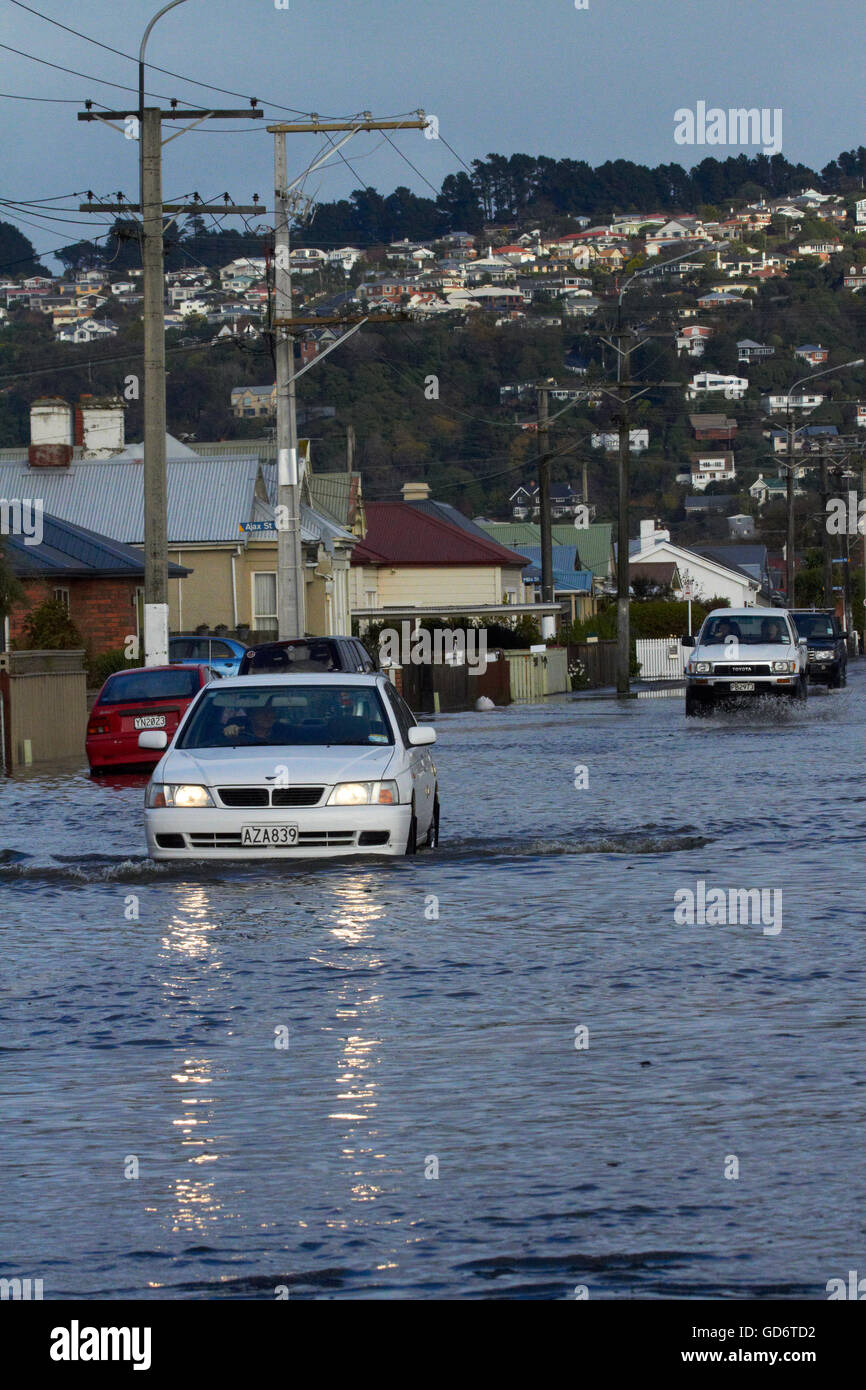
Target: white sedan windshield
(277,716)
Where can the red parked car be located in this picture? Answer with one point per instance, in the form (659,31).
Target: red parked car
(147,697)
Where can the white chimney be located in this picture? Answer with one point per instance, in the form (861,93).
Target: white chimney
(100,428)
(51,433)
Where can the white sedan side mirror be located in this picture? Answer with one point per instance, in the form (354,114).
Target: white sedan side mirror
(157,739)
(422,733)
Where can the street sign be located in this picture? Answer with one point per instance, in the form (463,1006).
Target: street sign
(253,528)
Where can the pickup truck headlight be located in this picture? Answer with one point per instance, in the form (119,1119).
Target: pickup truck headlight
(181,796)
(700,668)
(364,794)
(786,666)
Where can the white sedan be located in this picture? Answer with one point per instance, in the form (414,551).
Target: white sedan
(293,767)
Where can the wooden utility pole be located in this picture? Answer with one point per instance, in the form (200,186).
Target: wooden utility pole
(790,579)
(291,618)
(623,628)
(146,126)
(826,552)
(291,606)
(548,622)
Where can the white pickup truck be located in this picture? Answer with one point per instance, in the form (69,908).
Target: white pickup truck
(741,653)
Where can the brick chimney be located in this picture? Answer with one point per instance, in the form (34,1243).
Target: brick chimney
(50,433)
(416,492)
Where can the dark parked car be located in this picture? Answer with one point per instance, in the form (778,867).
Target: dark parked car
(223,654)
(299,654)
(828,650)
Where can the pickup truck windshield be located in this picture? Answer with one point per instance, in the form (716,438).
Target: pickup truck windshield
(752,631)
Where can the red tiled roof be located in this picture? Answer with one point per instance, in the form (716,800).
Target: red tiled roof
(398,534)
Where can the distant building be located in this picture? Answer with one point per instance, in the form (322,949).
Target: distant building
(248,402)
(638,441)
(712,468)
(750,351)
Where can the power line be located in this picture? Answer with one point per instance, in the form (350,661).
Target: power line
(62,101)
(88,77)
(411,165)
(167,72)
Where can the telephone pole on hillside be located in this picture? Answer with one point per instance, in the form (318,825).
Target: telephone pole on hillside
(548,621)
(291,620)
(145,125)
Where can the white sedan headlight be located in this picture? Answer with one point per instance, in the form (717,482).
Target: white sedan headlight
(364,794)
(182,795)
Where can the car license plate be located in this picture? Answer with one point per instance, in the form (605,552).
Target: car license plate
(269,834)
(149,721)
(742,686)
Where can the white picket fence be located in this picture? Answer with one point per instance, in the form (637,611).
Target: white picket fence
(661,658)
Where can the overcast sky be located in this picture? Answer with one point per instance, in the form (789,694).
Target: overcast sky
(597,83)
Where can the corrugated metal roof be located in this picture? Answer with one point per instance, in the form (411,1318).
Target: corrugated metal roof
(593,541)
(398,533)
(68,551)
(207,499)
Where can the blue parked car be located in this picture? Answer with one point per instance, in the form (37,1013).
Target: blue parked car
(222,653)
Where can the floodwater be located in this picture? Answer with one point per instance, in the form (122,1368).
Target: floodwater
(247,1089)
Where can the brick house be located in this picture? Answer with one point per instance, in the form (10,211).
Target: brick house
(100,582)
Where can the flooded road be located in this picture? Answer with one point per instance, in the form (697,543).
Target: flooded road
(503,1069)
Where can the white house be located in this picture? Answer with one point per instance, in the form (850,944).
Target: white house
(708,579)
(638,440)
(733,388)
(712,468)
(800,400)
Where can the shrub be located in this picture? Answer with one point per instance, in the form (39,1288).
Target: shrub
(50,628)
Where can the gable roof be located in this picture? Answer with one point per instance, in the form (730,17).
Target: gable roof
(207,498)
(593,542)
(73,552)
(400,533)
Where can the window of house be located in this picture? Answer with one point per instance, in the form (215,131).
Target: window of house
(265,602)
(62,596)
(371,595)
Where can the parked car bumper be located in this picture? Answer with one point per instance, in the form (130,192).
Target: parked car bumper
(324,832)
(119,750)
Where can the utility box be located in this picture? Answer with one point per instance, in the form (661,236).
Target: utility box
(43,707)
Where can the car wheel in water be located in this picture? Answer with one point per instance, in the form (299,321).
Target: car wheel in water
(835,680)
(695,706)
(433,832)
(412,839)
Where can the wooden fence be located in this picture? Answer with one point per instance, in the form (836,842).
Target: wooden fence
(455,686)
(598,660)
(43,706)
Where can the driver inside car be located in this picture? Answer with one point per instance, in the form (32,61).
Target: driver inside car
(257,726)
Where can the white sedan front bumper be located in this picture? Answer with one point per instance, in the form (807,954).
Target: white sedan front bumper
(324,832)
